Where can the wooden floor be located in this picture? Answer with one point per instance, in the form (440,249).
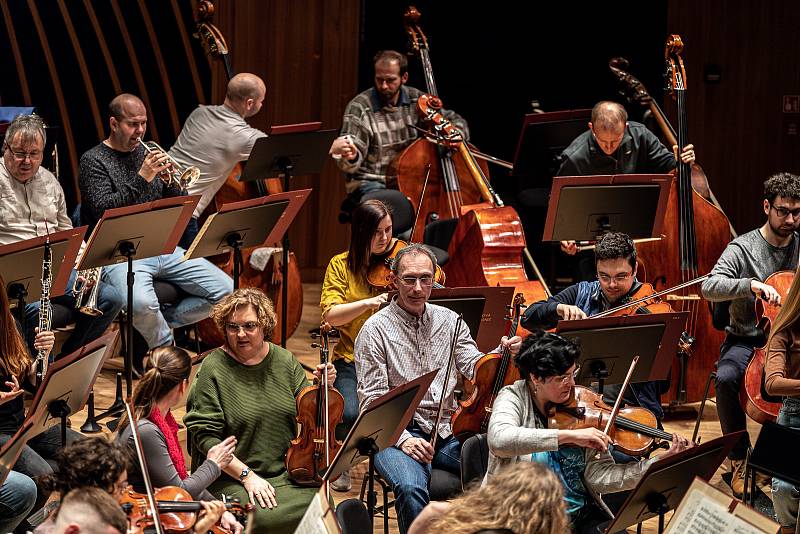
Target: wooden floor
(681,421)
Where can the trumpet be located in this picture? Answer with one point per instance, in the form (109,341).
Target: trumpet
(176,175)
(90,276)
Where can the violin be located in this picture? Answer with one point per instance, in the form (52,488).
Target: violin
(176,508)
(319,409)
(380,269)
(646,300)
(633,431)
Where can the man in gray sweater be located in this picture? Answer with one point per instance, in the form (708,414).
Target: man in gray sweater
(738,277)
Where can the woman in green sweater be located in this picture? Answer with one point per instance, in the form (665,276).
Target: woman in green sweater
(247,389)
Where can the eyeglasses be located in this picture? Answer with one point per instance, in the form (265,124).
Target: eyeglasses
(249,327)
(425,280)
(784,212)
(618,278)
(22,156)
(564,379)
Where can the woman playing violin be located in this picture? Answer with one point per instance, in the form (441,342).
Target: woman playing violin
(247,389)
(348,300)
(161,388)
(518,432)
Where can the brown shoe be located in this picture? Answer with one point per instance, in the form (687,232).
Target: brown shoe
(737,478)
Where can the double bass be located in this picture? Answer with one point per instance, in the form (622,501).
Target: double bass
(270,280)
(695,234)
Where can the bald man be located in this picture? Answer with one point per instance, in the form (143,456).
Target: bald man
(119,172)
(215,138)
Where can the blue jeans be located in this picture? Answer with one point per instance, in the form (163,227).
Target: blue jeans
(409,479)
(17,496)
(87,328)
(206,284)
(733,360)
(786,496)
(346,385)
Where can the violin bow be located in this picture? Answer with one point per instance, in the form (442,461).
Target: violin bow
(324,329)
(435,431)
(421,196)
(618,402)
(649,297)
(151,498)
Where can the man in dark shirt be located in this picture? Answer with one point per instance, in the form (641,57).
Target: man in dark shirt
(615,265)
(119,172)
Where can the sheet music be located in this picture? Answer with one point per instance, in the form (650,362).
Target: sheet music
(702,515)
(319,517)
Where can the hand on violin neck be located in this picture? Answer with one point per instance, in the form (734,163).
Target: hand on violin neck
(418,449)
(765,292)
(212,512)
(570,313)
(679,443)
(331,374)
(590,438)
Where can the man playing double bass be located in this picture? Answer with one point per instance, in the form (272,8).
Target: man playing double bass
(738,277)
(615,267)
(378,125)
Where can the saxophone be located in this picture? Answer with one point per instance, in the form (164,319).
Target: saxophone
(45,311)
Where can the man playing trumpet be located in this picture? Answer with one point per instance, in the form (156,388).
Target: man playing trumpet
(121,172)
(31,205)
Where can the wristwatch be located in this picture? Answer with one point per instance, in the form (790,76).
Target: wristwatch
(243,474)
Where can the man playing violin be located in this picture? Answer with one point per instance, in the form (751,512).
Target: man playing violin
(519,432)
(737,278)
(404,340)
(615,267)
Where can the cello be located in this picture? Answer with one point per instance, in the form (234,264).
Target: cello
(270,280)
(695,234)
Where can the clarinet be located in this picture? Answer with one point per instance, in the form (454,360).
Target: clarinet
(45,311)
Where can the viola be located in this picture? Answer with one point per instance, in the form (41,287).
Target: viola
(753,396)
(319,409)
(633,431)
(176,509)
(380,269)
(492,372)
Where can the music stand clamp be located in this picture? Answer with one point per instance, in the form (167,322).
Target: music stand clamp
(296,152)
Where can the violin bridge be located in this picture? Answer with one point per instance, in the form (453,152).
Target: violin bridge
(683,297)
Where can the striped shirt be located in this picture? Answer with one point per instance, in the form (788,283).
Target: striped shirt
(394,347)
(381,133)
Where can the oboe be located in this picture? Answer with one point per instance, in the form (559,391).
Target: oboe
(45,311)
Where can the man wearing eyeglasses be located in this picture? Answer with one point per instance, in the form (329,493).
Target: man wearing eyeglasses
(407,339)
(738,278)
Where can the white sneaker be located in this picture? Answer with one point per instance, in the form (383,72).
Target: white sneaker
(343,483)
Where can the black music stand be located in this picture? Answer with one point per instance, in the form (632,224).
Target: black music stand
(63,391)
(249,223)
(136,232)
(292,150)
(606,358)
(21,267)
(666,481)
(377,427)
(774,445)
(582,208)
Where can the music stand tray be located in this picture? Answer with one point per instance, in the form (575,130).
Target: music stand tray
(582,208)
(64,390)
(666,481)
(21,264)
(605,357)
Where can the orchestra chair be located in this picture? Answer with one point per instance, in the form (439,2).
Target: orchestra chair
(353,517)
(711,376)
(474,460)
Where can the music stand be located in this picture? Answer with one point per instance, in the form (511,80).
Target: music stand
(291,151)
(653,337)
(137,231)
(249,223)
(666,481)
(21,267)
(775,443)
(377,427)
(582,208)
(63,391)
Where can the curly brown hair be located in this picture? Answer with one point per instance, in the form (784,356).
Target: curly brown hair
(526,497)
(254,297)
(92,462)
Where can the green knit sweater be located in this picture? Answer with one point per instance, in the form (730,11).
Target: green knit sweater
(257,405)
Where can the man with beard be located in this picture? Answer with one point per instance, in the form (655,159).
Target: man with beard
(738,277)
(378,125)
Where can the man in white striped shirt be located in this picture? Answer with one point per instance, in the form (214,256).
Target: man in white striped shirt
(401,342)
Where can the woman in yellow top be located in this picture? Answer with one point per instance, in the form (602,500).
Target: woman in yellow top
(348,300)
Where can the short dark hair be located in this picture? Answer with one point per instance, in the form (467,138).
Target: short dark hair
(416,249)
(784,185)
(92,509)
(391,55)
(90,462)
(544,354)
(615,245)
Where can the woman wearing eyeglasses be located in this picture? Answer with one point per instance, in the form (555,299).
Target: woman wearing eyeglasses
(347,301)
(247,389)
(518,432)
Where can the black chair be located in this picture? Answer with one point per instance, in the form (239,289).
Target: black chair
(402,210)
(474,460)
(353,517)
(437,237)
